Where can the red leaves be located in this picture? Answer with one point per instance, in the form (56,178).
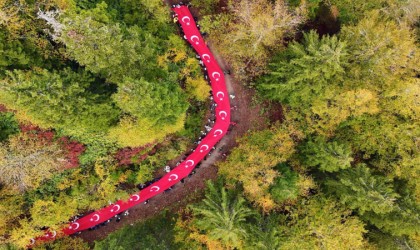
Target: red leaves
(72,148)
(3,108)
(127,156)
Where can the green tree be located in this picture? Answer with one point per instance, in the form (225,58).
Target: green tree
(12,54)
(162,103)
(327,156)
(110,48)
(58,100)
(402,221)
(285,186)
(222,216)
(253,161)
(265,233)
(383,52)
(320,223)
(363,191)
(302,73)
(156,233)
(8,125)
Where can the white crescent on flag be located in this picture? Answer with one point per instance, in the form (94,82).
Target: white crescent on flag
(32,241)
(173,177)
(154,189)
(135,197)
(204,148)
(75,227)
(186,20)
(216,75)
(115,208)
(220,95)
(54,233)
(217,132)
(223,114)
(195,39)
(95,217)
(189,161)
(206,57)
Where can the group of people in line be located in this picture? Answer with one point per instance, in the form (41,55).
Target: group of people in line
(208,126)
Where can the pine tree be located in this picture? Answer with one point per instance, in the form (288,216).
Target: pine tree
(327,156)
(58,100)
(8,125)
(304,71)
(222,216)
(359,189)
(320,223)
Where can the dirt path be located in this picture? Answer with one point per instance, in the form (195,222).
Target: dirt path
(247,117)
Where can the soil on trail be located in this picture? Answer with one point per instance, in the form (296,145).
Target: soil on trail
(247,116)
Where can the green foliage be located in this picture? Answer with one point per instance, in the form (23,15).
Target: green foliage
(8,125)
(319,223)
(160,102)
(253,161)
(59,100)
(285,187)
(206,7)
(389,242)
(402,221)
(265,233)
(105,48)
(327,156)
(303,72)
(363,191)
(222,216)
(11,54)
(155,233)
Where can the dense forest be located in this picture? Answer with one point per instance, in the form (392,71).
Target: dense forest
(97,96)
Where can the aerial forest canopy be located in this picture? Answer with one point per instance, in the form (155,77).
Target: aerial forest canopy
(88,62)
(96,96)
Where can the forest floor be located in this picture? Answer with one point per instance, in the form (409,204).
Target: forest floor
(248,116)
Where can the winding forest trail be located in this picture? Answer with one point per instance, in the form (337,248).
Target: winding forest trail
(247,118)
(176,196)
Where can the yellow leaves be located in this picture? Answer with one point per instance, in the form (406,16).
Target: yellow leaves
(405,99)
(305,183)
(381,48)
(52,214)
(9,17)
(172,55)
(64,4)
(135,133)
(103,166)
(253,161)
(198,88)
(22,235)
(25,163)
(358,102)
(179,55)
(266,203)
(326,114)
